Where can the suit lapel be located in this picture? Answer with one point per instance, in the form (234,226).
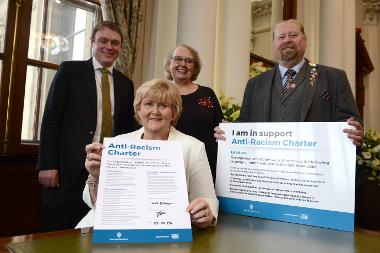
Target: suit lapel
(266,93)
(310,90)
(277,82)
(90,82)
(117,94)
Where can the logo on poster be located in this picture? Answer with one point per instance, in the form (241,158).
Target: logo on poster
(174,236)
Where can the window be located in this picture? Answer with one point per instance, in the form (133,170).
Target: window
(43,34)
(51,42)
(3,24)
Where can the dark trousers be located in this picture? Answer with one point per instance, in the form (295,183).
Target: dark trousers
(62,210)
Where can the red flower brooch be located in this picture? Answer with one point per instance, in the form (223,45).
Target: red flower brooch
(205,102)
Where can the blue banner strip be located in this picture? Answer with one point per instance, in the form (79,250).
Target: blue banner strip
(142,235)
(302,215)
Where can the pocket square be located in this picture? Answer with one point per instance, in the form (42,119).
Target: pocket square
(325,94)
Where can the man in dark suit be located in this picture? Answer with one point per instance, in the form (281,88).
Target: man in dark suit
(73,118)
(296,90)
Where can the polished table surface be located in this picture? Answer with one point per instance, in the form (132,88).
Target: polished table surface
(233,234)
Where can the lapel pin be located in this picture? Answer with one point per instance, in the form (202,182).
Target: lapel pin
(313,74)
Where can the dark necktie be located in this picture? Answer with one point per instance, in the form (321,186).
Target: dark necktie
(290,73)
(106,130)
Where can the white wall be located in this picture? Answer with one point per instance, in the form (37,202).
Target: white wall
(160,36)
(197,28)
(308,14)
(233,47)
(218,29)
(337,36)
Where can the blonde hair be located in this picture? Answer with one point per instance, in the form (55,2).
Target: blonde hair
(163,91)
(197,62)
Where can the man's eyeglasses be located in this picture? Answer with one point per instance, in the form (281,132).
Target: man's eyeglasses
(178,60)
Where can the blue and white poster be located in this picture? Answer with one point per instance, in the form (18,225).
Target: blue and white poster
(142,195)
(294,172)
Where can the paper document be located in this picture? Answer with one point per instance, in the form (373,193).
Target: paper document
(142,195)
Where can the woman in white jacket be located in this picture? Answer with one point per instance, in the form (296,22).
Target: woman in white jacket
(157,107)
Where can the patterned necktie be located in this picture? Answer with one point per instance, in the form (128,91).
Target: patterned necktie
(106,104)
(290,73)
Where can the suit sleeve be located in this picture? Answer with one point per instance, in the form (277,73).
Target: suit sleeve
(246,104)
(87,197)
(345,106)
(132,124)
(51,121)
(124,96)
(200,179)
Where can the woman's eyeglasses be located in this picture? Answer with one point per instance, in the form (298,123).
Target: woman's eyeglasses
(178,60)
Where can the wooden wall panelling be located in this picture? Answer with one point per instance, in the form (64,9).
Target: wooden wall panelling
(20,195)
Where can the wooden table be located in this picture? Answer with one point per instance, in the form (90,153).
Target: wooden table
(233,234)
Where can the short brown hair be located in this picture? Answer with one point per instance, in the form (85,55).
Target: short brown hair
(106,24)
(197,62)
(294,21)
(162,90)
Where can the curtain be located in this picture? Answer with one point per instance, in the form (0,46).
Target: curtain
(129,15)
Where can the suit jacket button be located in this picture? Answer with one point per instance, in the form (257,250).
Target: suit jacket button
(91,132)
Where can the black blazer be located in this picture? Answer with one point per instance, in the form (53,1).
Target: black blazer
(69,120)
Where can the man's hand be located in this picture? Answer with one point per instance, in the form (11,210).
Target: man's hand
(49,178)
(355,134)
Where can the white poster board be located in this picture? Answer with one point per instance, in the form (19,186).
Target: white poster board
(296,172)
